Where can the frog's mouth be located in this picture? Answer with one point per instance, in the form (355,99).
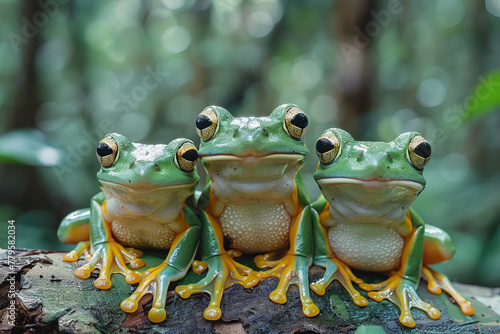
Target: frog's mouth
(372,185)
(235,167)
(236,177)
(252,158)
(144,187)
(357,200)
(146,194)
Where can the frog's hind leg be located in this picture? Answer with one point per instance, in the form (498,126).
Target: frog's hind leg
(82,248)
(75,229)
(269,260)
(437,282)
(439,247)
(401,292)
(400,287)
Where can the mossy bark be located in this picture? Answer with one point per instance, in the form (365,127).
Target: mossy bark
(50,298)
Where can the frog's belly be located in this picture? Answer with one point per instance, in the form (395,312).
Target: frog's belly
(142,233)
(256,228)
(370,247)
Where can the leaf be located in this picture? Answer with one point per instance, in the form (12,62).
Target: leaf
(28,147)
(486,96)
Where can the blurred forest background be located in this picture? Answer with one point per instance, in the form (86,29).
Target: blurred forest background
(72,71)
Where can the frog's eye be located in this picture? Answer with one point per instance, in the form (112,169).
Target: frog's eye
(186,157)
(419,152)
(296,123)
(328,147)
(107,151)
(207,124)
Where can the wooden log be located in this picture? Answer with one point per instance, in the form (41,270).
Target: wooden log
(49,298)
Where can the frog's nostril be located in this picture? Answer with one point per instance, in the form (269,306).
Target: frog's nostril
(265,132)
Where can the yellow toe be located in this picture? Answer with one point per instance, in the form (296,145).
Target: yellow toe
(467,309)
(70,257)
(434,289)
(318,288)
(260,262)
(212,313)
(360,301)
(310,310)
(137,263)
(102,284)
(365,287)
(199,266)
(182,291)
(434,313)
(157,314)
(82,273)
(234,253)
(132,278)
(129,306)
(251,280)
(375,296)
(278,297)
(407,321)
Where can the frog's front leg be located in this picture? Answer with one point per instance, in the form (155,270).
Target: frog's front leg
(106,254)
(156,280)
(400,287)
(223,270)
(439,247)
(293,268)
(324,257)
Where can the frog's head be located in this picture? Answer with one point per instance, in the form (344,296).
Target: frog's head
(280,133)
(237,150)
(371,180)
(141,167)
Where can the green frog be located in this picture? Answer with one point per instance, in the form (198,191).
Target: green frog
(364,221)
(255,201)
(144,203)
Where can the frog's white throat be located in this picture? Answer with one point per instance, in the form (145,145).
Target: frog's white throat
(245,179)
(369,201)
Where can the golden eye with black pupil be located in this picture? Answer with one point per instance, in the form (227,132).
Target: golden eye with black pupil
(328,147)
(206,124)
(419,152)
(187,157)
(296,123)
(107,151)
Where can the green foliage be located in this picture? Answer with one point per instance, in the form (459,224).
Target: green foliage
(28,147)
(485,97)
